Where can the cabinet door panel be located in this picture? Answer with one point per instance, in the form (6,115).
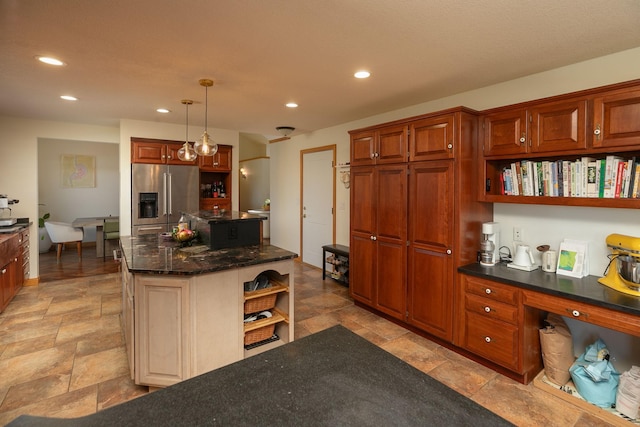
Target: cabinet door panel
(616,120)
(391,281)
(432,138)
(162,347)
(559,126)
(362,262)
(149,153)
(391,202)
(363,213)
(392,145)
(431,292)
(219,162)
(362,148)
(431,210)
(505,133)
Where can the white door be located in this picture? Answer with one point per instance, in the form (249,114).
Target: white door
(318,188)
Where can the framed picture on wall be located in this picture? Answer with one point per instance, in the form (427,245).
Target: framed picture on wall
(78,171)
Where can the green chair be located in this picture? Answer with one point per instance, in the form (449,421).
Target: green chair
(110,231)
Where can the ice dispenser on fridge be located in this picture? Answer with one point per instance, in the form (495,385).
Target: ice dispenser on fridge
(148,205)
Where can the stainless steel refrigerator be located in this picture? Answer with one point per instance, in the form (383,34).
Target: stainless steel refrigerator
(159,193)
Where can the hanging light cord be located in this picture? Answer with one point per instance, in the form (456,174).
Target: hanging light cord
(206,106)
(186,136)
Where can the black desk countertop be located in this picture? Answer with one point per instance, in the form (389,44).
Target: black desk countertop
(331,378)
(152,254)
(586,289)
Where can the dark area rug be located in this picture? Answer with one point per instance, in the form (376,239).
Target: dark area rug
(331,378)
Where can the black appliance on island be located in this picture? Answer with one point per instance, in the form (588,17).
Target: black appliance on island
(226,229)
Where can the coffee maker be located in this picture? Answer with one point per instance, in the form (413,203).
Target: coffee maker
(490,244)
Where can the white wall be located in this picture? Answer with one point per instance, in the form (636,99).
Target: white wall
(67,204)
(19,163)
(542,224)
(254,189)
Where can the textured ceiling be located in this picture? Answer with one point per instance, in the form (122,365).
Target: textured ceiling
(126,58)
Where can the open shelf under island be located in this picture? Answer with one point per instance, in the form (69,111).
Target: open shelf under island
(183,307)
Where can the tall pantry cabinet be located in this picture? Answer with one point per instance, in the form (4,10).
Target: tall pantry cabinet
(415,217)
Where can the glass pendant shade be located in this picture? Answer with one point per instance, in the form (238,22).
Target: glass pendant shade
(205,146)
(186,153)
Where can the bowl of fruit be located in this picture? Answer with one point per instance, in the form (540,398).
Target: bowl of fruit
(185,236)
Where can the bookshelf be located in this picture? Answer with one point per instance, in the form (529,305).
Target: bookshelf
(564,134)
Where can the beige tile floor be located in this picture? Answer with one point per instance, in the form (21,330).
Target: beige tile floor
(62,352)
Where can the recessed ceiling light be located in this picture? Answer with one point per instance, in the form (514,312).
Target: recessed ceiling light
(68,98)
(362,74)
(291,105)
(163,110)
(49,60)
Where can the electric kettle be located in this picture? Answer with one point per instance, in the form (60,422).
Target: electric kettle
(523,260)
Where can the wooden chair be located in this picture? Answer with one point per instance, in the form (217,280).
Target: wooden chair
(61,233)
(110,230)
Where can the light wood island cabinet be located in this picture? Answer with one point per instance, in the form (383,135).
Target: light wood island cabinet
(178,326)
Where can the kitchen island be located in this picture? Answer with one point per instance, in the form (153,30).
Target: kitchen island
(183,307)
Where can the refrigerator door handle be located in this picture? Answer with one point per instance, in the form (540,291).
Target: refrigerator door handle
(170,194)
(164,192)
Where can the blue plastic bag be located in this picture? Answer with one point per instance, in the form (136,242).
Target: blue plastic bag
(595,377)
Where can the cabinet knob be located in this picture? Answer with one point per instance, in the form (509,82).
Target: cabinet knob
(597,131)
(487,339)
(487,309)
(374,238)
(449,146)
(575,313)
(487,291)
(4,270)
(448,251)
(523,138)
(216,163)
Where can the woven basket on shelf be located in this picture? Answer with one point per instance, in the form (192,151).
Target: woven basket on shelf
(255,305)
(259,334)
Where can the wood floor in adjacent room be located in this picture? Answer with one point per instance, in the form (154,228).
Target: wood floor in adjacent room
(62,350)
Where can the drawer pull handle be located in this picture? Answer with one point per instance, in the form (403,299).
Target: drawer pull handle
(576,313)
(487,339)
(487,309)
(487,291)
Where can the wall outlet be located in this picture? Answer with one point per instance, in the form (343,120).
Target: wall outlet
(517,234)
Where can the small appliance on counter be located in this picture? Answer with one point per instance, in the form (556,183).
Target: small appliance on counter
(624,274)
(523,260)
(489,255)
(4,206)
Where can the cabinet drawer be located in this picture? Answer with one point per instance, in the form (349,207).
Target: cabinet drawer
(491,309)
(492,290)
(617,320)
(494,340)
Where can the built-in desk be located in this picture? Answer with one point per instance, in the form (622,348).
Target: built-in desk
(98,223)
(501,310)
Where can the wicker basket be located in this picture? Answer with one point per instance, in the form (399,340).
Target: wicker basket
(256,305)
(259,334)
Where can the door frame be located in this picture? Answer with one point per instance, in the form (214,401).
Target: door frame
(331,148)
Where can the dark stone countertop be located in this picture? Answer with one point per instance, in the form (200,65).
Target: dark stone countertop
(331,378)
(586,289)
(153,254)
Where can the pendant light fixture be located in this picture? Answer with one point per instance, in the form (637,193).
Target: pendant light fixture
(205,146)
(186,153)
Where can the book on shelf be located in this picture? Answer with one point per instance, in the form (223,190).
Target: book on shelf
(636,181)
(566,178)
(611,168)
(602,177)
(592,179)
(584,164)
